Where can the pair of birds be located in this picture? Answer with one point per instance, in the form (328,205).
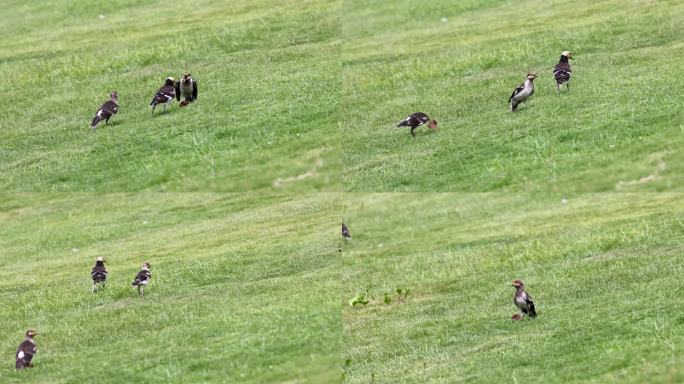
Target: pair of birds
(99,275)
(561,72)
(183,90)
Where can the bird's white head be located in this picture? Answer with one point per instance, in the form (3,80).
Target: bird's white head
(101,258)
(531,76)
(146,265)
(567,54)
(517,283)
(31,333)
(114,95)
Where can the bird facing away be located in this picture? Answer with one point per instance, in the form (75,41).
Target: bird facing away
(416,120)
(562,71)
(522,92)
(26,350)
(345,232)
(522,300)
(186,89)
(164,95)
(99,273)
(142,278)
(107,110)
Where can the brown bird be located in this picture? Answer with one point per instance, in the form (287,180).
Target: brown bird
(99,273)
(142,278)
(107,110)
(164,95)
(345,232)
(26,350)
(417,119)
(522,300)
(186,88)
(562,71)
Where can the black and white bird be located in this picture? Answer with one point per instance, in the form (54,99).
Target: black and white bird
(165,94)
(523,92)
(345,232)
(107,110)
(26,350)
(562,71)
(417,119)
(186,90)
(99,273)
(142,278)
(522,300)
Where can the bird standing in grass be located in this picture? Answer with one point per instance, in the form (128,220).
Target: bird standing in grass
(142,278)
(26,350)
(345,232)
(99,273)
(523,92)
(164,95)
(522,300)
(416,120)
(562,71)
(186,89)
(107,110)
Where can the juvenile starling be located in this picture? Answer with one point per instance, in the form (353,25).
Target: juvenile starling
(562,71)
(107,110)
(99,273)
(345,232)
(26,350)
(142,278)
(523,91)
(186,88)
(416,120)
(522,300)
(164,95)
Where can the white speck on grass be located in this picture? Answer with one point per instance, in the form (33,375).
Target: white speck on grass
(144,221)
(74,250)
(102,16)
(564,201)
(444,19)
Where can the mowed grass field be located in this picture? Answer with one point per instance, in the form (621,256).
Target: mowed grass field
(266,116)
(604,270)
(619,129)
(244,288)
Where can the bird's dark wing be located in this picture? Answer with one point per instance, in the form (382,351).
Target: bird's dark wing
(178,90)
(345,232)
(562,72)
(111,107)
(27,347)
(164,95)
(516,91)
(194,90)
(143,275)
(530,306)
(410,121)
(99,274)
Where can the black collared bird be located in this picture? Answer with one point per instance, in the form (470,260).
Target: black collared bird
(562,71)
(417,119)
(522,300)
(142,278)
(99,273)
(25,351)
(186,90)
(164,95)
(107,110)
(522,92)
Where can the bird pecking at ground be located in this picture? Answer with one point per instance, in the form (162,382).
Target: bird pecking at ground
(522,300)
(562,71)
(107,110)
(26,350)
(142,278)
(345,232)
(417,119)
(186,90)
(164,95)
(99,273)
(522,92)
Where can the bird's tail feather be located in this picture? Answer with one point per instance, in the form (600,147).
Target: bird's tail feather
(96,121)
(402,124)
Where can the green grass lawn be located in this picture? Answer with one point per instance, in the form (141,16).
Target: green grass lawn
(244,289)
(266,117)
(605,271)
(620,127)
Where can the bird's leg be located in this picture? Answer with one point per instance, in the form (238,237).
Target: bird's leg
(557,89)
(164,108)
(93,290)
(413,133)
(153,107)
(568,85)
